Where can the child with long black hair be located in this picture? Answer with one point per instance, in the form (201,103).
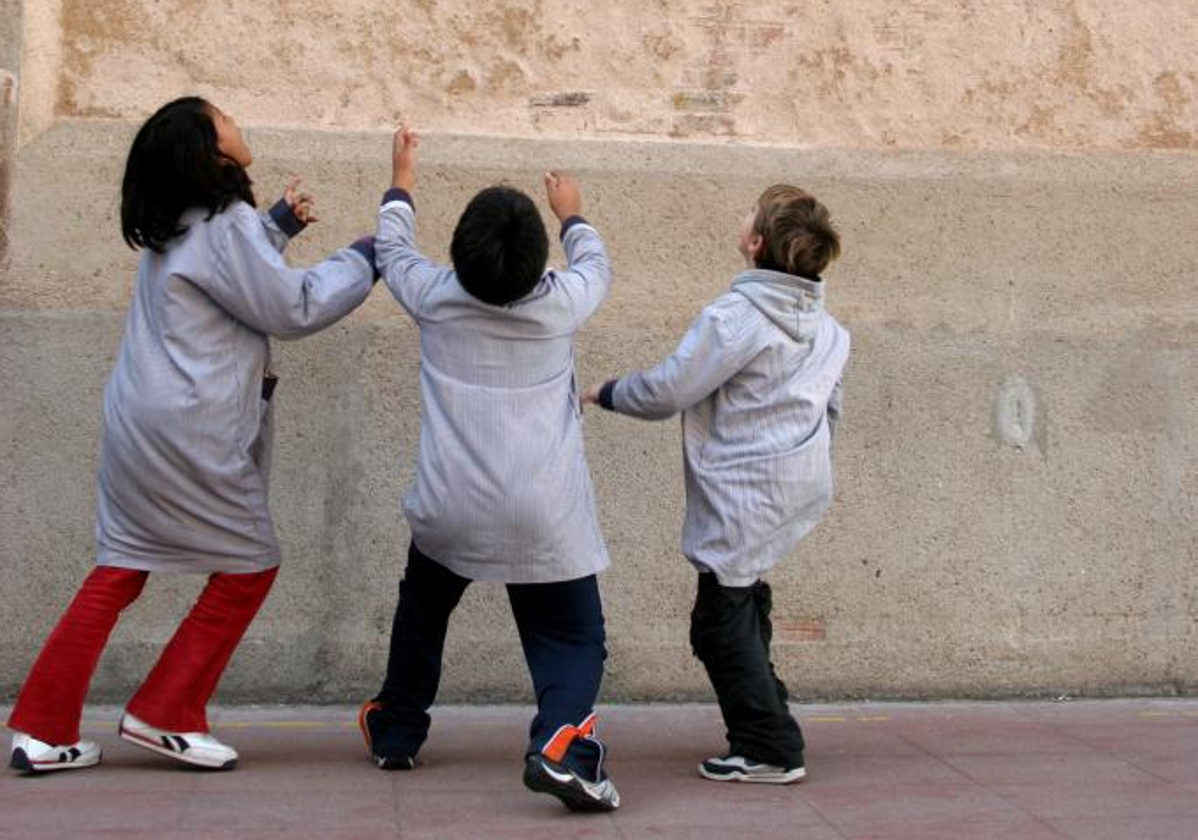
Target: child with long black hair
(185,448)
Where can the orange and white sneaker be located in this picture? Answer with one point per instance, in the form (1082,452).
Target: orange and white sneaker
(546,771)
(368,722)
(196,748)
(29,755)
(577,793)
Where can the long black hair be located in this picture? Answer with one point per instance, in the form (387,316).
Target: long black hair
(175,165)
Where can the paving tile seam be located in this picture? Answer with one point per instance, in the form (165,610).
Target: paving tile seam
(824,818)
(1035,818)
(1131,762)
(1104,822)
(396,821)
(1008,801)
(1113,754)
(1065,723)
(101,725)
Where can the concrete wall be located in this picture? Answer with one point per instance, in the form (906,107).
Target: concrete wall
(1019,463)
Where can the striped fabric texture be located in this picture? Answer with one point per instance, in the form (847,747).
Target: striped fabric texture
(757,379)
(502,489)
(185,450)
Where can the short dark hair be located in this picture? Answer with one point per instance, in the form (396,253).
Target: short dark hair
(797,232)
(499,246)
(174,165)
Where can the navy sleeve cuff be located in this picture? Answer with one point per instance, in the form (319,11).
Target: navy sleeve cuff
(365,247)
(398,194)
(285,218)
(569,222)
(605,394)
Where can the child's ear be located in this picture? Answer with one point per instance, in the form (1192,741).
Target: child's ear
(756,246)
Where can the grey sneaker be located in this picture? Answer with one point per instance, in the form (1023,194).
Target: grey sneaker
(576,793)
(737,768)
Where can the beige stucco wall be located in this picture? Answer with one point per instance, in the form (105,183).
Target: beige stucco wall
(1015,74)
(1016,185)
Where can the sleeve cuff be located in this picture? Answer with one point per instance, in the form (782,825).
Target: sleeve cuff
(569,222)
(365,247)
(398,194)
(605,394)
(285,218)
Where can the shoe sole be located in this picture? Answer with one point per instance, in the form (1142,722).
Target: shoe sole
(537,778)
(793,777)
(148,744)
(20,761)
(386,762)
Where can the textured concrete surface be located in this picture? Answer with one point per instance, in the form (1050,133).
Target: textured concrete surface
(1017,471)
(1016,186)
(1035,771)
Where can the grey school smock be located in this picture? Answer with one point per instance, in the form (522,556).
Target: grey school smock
(502,490)
(757,379)
(185,449)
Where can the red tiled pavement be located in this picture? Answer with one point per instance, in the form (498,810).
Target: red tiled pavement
(1085,770)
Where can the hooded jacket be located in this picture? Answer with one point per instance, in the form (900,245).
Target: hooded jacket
(757,379)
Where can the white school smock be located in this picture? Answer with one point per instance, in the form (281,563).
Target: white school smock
(757,379)
(502,491)
(185,448)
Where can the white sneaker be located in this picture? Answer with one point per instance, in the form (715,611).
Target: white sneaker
(30,755)
(198,748)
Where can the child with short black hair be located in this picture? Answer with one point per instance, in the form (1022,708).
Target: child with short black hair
(502,490)
(757,379)
(185,447)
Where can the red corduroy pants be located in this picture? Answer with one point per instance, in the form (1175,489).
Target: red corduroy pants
(175,695)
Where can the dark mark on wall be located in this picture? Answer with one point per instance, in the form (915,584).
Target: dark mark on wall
(8,101)
(570,99)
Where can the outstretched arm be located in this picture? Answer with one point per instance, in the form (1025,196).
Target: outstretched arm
(710,353)
(252,283)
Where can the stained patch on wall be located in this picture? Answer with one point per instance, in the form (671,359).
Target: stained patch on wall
(8,103)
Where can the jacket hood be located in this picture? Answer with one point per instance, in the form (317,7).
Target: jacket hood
(795,304)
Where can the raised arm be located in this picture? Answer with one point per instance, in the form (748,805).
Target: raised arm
(407,272)
(710,353)
(254,285)
(587,277)
(287,218)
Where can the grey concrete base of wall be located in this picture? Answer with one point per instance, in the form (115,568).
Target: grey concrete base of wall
(1016,473)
